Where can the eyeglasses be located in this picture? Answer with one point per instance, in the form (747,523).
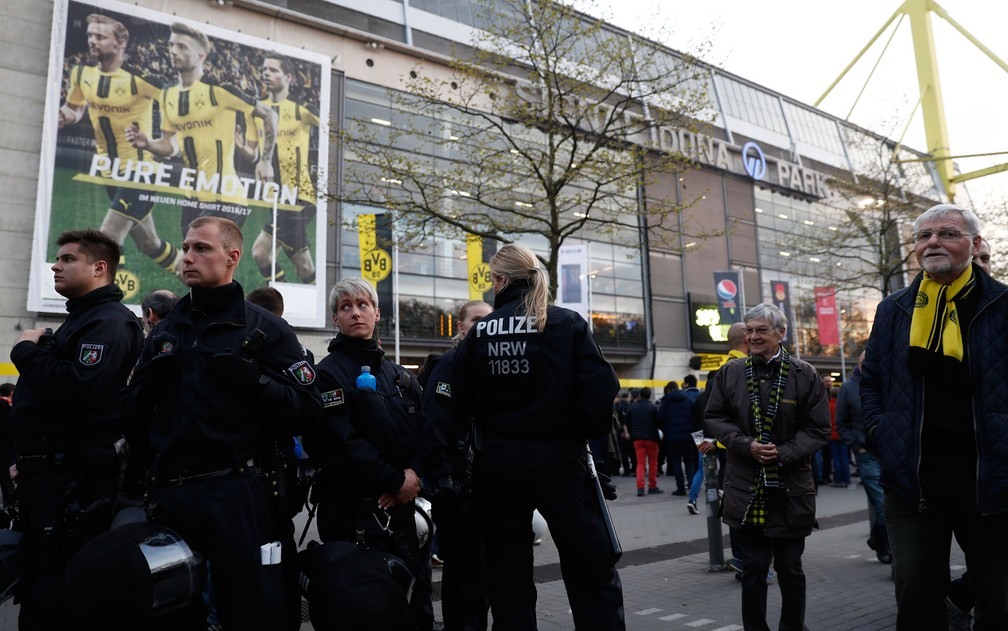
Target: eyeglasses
(763,330)
(924,236)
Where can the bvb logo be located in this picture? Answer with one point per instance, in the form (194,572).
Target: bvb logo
(376,266)
(922,300)
(128,282)
(479,277)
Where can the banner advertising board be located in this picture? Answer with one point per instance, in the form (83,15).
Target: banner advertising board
(727,286)
(573,290)
(152,120)
(826,315)
(780,295)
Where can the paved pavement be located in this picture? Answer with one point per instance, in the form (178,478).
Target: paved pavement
(668,586)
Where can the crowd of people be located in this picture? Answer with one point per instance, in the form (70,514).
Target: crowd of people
(197,409)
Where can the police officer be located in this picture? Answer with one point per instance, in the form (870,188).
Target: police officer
(464,602)
(537,386)
(65,421)
(216,378)
(371,449)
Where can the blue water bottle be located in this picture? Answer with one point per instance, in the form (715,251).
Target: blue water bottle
(365,380)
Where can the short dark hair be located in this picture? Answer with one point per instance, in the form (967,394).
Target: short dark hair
(645,393)
(268,298)
(286,65)
(6,389)
(95,245)
(160,302)
(689,381)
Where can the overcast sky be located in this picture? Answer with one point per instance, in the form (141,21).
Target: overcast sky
(798,47)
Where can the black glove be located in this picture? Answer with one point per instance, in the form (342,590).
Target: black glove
(234,372)
(608,488)
(163,368)
(447,488)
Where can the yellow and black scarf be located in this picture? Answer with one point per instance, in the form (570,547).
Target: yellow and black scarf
(767,475)
(934,326)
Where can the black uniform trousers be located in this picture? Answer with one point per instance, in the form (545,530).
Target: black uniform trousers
(60,508)
(464,600)
(508,487)
(227,519)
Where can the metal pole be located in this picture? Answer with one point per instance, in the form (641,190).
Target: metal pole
(715,545)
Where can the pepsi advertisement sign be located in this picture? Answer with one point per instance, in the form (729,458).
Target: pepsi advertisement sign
(727,286)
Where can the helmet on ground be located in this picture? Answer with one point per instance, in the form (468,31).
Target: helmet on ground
(132,573)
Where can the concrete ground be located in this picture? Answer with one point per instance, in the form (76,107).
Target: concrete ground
(668,585)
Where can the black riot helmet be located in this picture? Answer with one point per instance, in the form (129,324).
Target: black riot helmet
(124,577)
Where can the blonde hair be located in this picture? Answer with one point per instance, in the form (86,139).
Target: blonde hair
(462,312)
(350,287)
(515,262)
(227,231)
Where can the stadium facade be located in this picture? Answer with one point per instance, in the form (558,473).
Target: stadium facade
(764,170)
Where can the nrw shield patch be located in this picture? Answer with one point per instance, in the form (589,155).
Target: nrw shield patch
(303,372)
(91,354)
(443,389)
(332,398)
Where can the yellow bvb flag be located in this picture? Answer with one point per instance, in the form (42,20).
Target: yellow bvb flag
(479,272)
(376,264)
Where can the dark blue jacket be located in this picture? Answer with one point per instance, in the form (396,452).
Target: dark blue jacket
(642,420)
(366,440)
(849,419)
(528,389)
(65,396)
(892,397)
(188,396)
(676,414)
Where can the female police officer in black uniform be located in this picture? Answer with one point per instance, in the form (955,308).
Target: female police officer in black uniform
(372,444)
(535,382)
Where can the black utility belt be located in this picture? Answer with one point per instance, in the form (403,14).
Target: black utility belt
(179,477)
(88,458)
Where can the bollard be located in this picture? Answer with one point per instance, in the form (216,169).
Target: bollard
(715,545)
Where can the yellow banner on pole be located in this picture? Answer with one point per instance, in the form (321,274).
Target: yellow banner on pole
(376,264)
(479,272)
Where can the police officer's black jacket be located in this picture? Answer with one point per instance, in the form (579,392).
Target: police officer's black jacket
(521,385)
(65,396)
(366,439)
(444,436)
(204,404)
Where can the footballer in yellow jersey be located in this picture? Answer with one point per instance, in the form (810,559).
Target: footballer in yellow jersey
(295,125)
(198,122)
(116,99)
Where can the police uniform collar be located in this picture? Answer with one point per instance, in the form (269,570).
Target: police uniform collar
(361,352)
(215,300)
(512,292)
(107,293)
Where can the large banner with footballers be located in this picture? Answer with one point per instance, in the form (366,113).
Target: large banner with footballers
(153,120)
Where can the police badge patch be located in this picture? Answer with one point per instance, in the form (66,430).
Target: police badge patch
(91,354)
(303,372)
(443,389)
(332,398)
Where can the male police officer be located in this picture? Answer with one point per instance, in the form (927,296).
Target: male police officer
(65,422)
(215,379)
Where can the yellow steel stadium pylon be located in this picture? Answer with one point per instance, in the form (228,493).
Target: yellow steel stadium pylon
(930,101)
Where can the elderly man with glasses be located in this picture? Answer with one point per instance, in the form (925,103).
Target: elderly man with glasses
(934,395)
(771,412)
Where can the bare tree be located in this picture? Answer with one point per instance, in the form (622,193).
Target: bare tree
(867,243)
(551,123)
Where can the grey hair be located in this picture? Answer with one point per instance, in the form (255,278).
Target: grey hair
(941,210)
(348,288)
(765,311)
